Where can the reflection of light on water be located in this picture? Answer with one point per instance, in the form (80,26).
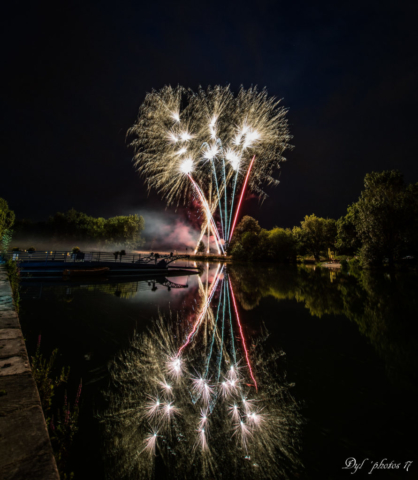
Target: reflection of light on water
(204,423)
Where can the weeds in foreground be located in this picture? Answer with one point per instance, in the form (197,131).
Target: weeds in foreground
(14,276)
(62,421)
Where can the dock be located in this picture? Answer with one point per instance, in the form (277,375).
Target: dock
(25,447)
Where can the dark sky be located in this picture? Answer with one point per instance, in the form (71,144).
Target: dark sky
(75,73)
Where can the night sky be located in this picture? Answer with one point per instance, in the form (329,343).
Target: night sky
(75,73)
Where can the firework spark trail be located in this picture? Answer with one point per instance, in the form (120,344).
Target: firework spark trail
(202,440)
(203,423)
(211,223)
(232,204)
(219,198)
(213,288)
(244,433)
(174,367)
(209,214)
(226,198)
(214,334)
(152,408)
(222,340)
(256,420)
(234,411)
(241,197)
(203,230)
(248,405)
(202,390)
(150,444)
(232,328)
(242,336)
(166,387)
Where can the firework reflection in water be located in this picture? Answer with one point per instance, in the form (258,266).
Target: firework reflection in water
(237,415)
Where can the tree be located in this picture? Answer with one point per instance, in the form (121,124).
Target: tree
(250,243)
(202,247)
(387,220)
(124,231)
(281,245)
(348,241)
(247,224)
(121,231)
(315,235)
(7,217)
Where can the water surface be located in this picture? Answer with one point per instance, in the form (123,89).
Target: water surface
(320,366)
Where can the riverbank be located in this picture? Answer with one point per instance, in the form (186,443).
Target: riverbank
(25,447)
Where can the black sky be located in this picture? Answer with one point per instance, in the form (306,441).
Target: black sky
(75,73)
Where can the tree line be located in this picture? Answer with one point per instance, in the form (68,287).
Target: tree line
(382,226)
(76,227)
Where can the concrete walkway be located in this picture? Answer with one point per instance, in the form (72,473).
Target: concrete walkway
(25,448)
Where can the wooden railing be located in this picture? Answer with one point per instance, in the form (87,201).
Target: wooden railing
(68,257)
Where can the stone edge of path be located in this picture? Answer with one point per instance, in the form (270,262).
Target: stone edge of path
(25,447)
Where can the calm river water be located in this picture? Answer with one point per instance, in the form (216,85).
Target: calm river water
(240,372)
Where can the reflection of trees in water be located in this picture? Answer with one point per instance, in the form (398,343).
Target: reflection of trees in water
(384,306)
(386,309)
(311,286)
(199,411)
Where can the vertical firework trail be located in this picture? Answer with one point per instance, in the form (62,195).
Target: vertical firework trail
(208,213)
(232,328)
(241,197)
(214,334)
(242,336)
(203,312)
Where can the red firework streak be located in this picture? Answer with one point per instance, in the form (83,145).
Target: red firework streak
(205,203)
(214,285)
(242,336)
(241,197)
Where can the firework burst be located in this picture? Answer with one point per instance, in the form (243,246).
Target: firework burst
(150,444)
(209,145)
(174,367)
(152,408)
(202,389)
(165,387)
(169,411)
(243,432)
